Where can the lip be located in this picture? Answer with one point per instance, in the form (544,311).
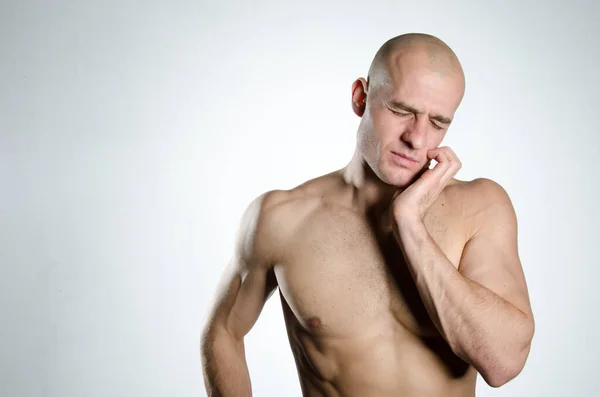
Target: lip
(403,160)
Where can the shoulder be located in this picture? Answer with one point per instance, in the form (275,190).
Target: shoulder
(487,189)
(268,223)
(254,240)
(271,219)
(477,192)
(484,193)
(486,204)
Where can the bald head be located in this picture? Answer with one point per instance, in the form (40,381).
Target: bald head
(413,50)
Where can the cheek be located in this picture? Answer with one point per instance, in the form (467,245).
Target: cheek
(435,139)
(387,127)
(370,130)
(366,139)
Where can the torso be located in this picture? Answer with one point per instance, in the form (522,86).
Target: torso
(356,323)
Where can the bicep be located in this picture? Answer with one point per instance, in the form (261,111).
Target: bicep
(491,258)
(249,280)
(241,296)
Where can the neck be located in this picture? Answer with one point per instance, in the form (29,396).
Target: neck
(369,191)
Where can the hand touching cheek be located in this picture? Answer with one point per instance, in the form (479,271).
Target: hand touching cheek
(413,202)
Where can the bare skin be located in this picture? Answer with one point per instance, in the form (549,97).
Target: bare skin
(394,279)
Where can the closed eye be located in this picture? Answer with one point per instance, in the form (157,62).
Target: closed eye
(400,113)
(437,127)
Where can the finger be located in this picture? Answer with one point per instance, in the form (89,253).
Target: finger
(439,154)
(454,165)
(454,157)
(437,174)
(447,165)
(433,153)
(446,155)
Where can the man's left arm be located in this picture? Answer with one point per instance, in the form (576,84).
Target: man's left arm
(482,308)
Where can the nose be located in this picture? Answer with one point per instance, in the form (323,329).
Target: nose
(415,134)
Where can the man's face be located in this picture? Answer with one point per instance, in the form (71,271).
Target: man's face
(406,118)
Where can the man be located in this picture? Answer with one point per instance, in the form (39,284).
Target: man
(395,278)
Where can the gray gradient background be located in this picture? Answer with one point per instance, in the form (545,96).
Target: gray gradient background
(133,135)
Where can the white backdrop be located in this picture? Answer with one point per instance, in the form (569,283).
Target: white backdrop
(134,133)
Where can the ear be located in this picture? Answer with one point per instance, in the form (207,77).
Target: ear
(359,96)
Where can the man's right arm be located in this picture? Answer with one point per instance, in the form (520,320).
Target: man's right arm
(244,288)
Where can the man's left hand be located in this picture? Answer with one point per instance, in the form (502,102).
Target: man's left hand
(413,202)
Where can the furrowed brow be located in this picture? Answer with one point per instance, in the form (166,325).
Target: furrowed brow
(403,106)
(407,108)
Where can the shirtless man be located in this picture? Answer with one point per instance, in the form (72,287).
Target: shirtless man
(395,278)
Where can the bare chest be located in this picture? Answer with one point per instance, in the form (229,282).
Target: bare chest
(340,276)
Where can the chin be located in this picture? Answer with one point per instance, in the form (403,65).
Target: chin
(400,178)
(403,182)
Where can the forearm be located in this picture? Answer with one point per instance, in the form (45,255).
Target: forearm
(480,327)
(224,365)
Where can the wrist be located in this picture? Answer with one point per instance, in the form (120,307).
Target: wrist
(407,221)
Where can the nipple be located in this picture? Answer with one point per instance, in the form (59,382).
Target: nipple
(313,322)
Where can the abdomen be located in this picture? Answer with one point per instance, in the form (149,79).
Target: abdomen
(382,360)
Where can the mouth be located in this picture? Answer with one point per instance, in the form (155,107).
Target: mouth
(404,158)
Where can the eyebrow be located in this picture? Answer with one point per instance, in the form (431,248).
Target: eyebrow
(408,108)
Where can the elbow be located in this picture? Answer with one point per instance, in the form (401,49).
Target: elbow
(500,376)
(504,369)
(501,370)
(508,364)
